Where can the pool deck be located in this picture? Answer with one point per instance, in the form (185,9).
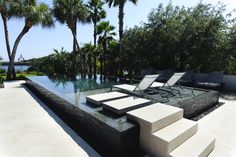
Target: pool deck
(29,128)
(221,124)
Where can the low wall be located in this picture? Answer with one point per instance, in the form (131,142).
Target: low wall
(228,80)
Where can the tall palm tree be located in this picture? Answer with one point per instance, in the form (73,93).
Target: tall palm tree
(96,13)
(106,35)
(33,14)
(120,4)
(70,12)
(89,50)
(6,13)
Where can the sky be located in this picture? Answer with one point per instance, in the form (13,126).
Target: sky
(40,42)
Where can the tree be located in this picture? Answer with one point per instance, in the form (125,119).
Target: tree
(106,34)
(121,4)
(6,14)
(71,12)
(88,51)
(96,13)
(33,14)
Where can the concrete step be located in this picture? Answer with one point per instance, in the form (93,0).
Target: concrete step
(98,99)
(170,137)
(153,118)
(197,146)
(124,105)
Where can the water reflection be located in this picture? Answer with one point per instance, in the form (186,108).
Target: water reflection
(75,89)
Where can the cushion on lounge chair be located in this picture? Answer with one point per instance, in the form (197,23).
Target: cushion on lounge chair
(157,84)
(98,99)
(124,105)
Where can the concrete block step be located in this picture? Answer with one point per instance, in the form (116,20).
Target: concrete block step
(170,137)
(124,105)
(197,146)
(155,117)
(98,99)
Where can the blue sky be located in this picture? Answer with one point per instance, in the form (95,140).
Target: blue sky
(40,42)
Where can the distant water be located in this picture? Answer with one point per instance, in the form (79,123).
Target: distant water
(17,67)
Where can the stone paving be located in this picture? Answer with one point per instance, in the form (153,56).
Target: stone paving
(29,129)
(221,124)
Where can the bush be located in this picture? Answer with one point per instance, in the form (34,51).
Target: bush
(2,71)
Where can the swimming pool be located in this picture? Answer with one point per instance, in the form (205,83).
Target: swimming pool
(75,90)
(105,131)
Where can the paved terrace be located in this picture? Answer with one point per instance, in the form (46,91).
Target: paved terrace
(221,124)
(29,129)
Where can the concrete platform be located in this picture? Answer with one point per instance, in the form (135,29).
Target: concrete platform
(221,124)
(29,129)
(197,146)
(124,105)
(98,99)
(155,116)
(170,137)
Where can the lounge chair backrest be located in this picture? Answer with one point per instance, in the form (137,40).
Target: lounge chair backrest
(175,78)
(146,82)
(215,77)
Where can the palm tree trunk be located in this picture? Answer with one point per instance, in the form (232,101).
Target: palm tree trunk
(104,58)
(74,66)
(73,30)
(121,23)
(4,19)
(95,45)
(13,54)
(101,64)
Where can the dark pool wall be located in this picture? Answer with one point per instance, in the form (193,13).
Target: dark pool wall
(107,140)
(199,103)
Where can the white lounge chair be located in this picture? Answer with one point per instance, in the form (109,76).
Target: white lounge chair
(171,82)
(143,85)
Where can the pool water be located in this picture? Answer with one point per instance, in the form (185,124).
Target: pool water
(75,91)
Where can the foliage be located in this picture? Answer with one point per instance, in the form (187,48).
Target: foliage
(201,38)
(106,35)
(33,14)
(71,12)
(96,13)
(60,62)
(2,71)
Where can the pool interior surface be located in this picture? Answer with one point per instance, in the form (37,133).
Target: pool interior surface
(75,93)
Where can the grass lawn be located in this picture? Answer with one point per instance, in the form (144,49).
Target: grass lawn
(22,75)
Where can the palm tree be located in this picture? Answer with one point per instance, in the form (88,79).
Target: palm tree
(71,12)
(96,13)
(121,4)
(33,14)
(89,50)
(106,34)
(59,61)
(6,13)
